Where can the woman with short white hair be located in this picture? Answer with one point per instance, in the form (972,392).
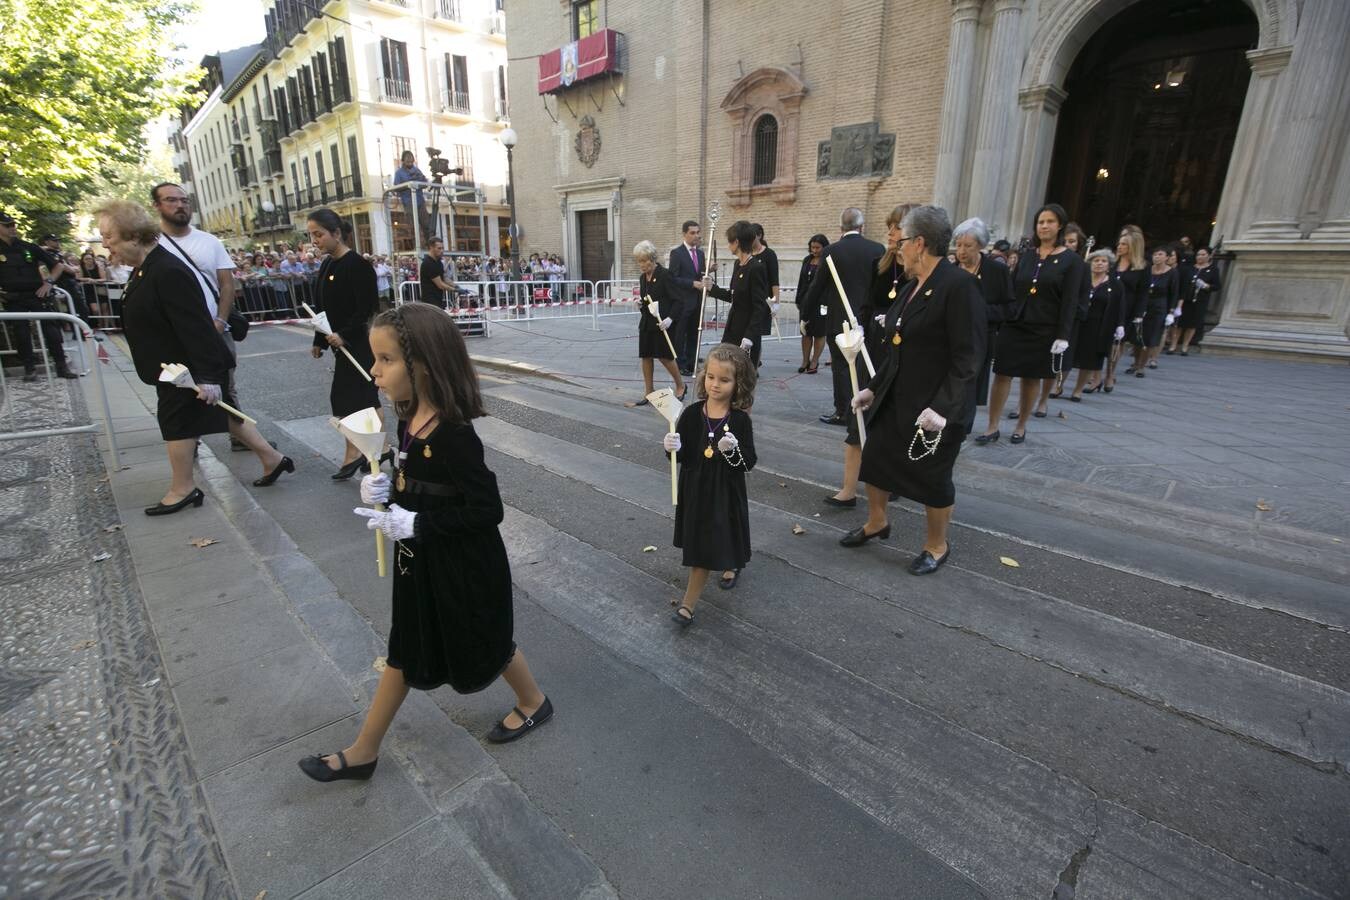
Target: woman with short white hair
(654,284)
(1096,334)
(969,240)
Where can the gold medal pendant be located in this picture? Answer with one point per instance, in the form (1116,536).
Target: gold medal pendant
(895,339)
(1033,289)
(426,451)
(892,293)
(4,258)
(708,452)
(401,483)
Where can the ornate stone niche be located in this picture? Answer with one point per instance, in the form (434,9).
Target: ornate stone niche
(765,91)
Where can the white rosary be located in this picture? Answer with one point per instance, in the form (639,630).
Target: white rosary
(929,447)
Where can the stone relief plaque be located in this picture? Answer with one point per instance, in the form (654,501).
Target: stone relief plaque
(856,151)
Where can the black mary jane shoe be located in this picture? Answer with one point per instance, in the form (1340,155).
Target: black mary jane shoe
(500,734)
(286,465)
(1017,438)
(925,564)
(987,438)
(859,536)
(316,768)
(850,503)
(196,498)
(349,469)
(726,583)
(684,620)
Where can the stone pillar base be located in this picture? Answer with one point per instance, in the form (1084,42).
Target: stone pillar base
(1287,298)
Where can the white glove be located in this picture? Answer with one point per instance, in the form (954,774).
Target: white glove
(664,323)
(880,319)
(773,308)
(746,344)
(375,488)
(801,328)
(1059,347)
(671,442)
(862,399)
(1120,333)
(397,523)
(209,394)
(930,421)
(1169,319)
(728,442)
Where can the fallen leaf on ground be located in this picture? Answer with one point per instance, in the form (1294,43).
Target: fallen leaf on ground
(1263,506)
(782,484)
(261,895)
(1063,415)
(1010,562)
(379,665)
(111,528)
(649,549)
(200,542)
(797,529)
(84,645)
(102,556)
(1337,541)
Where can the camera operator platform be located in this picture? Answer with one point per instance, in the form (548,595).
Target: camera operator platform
(467,306)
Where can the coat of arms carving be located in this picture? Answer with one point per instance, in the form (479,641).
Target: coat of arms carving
(588,142)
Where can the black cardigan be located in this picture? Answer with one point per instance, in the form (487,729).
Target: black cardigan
(166,320)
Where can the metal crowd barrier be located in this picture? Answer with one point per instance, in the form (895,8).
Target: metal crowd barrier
(266,297)
(81,332)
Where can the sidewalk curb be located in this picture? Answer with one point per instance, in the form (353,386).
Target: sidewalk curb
(518,368)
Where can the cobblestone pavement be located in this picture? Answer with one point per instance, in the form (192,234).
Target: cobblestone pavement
(96,788)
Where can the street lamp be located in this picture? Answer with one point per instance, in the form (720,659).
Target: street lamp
(508,139)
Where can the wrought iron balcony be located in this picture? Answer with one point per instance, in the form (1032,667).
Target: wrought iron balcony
(455,101)
(394,90)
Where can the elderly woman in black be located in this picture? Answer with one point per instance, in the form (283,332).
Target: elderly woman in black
(1153,307)
(346,289)
(933,340)
(655,285)
(1032,343)
(970,239)
(814,323)
(165,319)
(748,288)
(1097,332)
(1205,284)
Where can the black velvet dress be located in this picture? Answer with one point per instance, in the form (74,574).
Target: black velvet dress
(1205,284)
(996,288)
(346,290)
(1134,297)
(712,519)
(1160,298)
(1096,332)
(816,322)
(452,619)
(651,345)
(1046,307)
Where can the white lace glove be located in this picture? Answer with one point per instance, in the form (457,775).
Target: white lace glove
(746,344)
(930,421)
(664,323)
(1120,333)
(1169,319)
(375,488)
(880,319)
(862,399)
(209,394)
(801,328)
(397,523)
(1059,347)
(671,442)
(728,442)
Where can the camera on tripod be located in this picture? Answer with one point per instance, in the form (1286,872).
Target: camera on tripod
(440,166)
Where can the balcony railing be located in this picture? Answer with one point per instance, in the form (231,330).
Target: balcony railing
(276,220)
(394,90)
(455,101)
(446,9)
(274,163)
(503,110)
(251,176)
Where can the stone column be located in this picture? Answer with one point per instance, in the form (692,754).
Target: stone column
(1310,100)
(992,166)
(956,105)
(1235,204)
(1041,106)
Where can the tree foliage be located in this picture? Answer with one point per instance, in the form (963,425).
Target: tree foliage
(78,83)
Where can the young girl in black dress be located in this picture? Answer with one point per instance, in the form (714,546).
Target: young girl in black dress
(452,621)
(715,444)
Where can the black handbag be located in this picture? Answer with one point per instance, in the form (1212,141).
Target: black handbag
(238,324)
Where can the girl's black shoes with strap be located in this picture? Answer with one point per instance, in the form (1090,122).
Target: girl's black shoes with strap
(286,465)
(316,768)
(195,498)
(501,734)
(349,469)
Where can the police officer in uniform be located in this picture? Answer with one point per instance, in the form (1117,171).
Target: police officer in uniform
(26,290)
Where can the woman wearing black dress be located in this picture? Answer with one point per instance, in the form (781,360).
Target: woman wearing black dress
(1158,299)
(749,286)
(970,238)
(1032,343)
(768,305)
(813,322)
(1205,284)
(1130,272)
(933,341)
(1096,333)
(346,289)
(654,284)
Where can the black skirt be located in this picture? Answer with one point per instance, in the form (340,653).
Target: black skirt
(651,344)
(712,520)
(1089,352)
(1024,351)
(1152,329)
(351,392)
(1193,313)
(183,417)
(817,322)
(886,464)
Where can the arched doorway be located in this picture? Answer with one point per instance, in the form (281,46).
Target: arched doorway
(1147,130)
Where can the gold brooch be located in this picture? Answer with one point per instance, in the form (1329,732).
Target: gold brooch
(895,339)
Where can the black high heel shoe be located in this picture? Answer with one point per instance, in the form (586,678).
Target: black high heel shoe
(859,536)
(349,469)
(286,465)
(196,498)
(316,768)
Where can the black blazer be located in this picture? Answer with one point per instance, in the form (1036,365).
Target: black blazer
(165,319)
(347,290)
(856,258)
(804,278)
(661,289)
(996,288)
(683,276)
(942,333)
(749,288)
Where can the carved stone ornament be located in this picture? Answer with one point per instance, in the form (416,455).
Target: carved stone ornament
(856,151)
(588,142)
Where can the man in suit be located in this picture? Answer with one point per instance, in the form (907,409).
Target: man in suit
(856,258)
(688,262)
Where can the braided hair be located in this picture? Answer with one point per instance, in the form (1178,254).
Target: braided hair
(437,362)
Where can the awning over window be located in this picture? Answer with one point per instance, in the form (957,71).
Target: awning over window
(581,60)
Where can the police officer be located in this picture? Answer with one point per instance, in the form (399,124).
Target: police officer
(25,290)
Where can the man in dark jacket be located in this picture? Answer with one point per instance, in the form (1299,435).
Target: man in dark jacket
(856,258)
(688,262)
(26,289)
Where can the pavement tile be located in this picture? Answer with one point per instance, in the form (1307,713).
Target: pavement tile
(219,636)
(192,588)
